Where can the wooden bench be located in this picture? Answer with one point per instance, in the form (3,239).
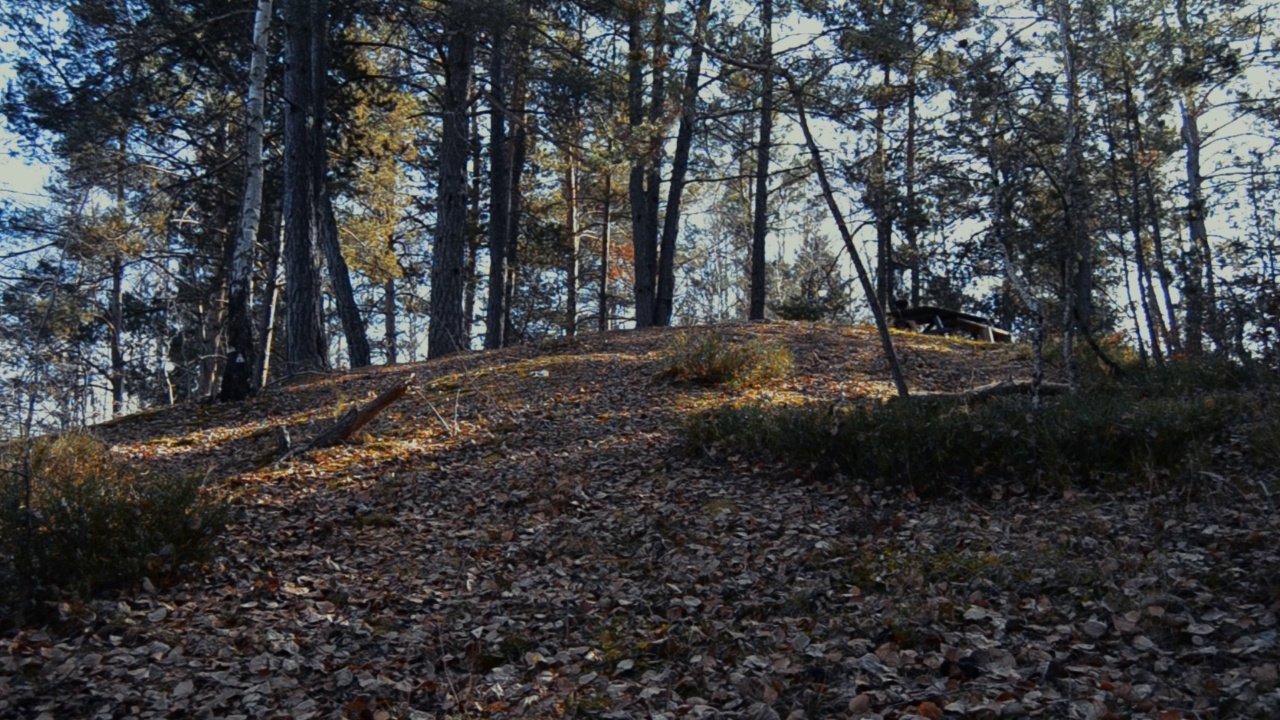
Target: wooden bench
(941,321)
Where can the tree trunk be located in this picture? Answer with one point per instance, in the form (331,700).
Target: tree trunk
(880,205)
(606,238)
(305,349)
(643,229)
(657,143)
(999,225)
(572,238)
(1143,268)
(353,326)
(471,273)
(389,319)
(271,300)
(115,308)
(760,215)
(1173,334)
(1125,210)
(499,195)
(915,216)
(1192,289)
(237,378)
(1077,258)
(679,169)
(446,334)
(517,147)
(877,311)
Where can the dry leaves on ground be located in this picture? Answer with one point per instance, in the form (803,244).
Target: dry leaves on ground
(522,536)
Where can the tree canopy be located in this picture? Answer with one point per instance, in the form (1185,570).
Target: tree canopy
(245,193)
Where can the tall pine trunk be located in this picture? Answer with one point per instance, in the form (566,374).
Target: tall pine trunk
(517,149)
(643,217)
(305,349)
(446,334)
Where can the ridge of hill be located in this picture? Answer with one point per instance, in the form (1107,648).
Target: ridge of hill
(522,536)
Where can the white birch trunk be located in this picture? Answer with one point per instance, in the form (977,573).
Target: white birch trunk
(237,380)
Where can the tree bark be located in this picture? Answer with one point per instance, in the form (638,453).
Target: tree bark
(1135,224)
(516,149)
(877,311)
(606,238)
(760,215)
(881,207)
(1077,258)
(499,194)
(571,231)
(914,214)
(999,225)
(519,147)
(1192,289)
(353,326)
(471,274)
(656,144)
(271,300)
(237,377)
(305,349)
(115,308)
(643,230)
(446,334)
(389,319)
(665,300)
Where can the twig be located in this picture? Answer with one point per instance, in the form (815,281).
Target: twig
(351,422)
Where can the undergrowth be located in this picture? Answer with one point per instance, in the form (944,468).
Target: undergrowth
(76,521)
(713,359)
(1149,432)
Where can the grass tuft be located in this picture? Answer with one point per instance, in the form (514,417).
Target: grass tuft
(713,359)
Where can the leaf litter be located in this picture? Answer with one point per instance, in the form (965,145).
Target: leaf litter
(522,536)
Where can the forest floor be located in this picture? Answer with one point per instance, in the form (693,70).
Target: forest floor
(523,535)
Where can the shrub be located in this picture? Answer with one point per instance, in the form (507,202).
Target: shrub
(938,445)
(77,520)
(713,359)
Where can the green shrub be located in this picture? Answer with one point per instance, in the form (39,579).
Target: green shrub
(713,359)
(1263,434)
(83,522)
(936,445)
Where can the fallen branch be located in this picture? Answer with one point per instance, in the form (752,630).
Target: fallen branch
(999,389)
(351,422)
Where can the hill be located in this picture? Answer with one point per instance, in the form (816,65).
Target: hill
(524,535)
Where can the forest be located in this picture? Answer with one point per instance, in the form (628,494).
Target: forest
(242,194)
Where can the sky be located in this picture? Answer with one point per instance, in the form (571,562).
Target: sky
(19,181)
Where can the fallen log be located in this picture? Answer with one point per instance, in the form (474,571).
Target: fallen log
(999,389)
(351,422)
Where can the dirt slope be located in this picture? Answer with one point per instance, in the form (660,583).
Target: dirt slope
(522,536)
